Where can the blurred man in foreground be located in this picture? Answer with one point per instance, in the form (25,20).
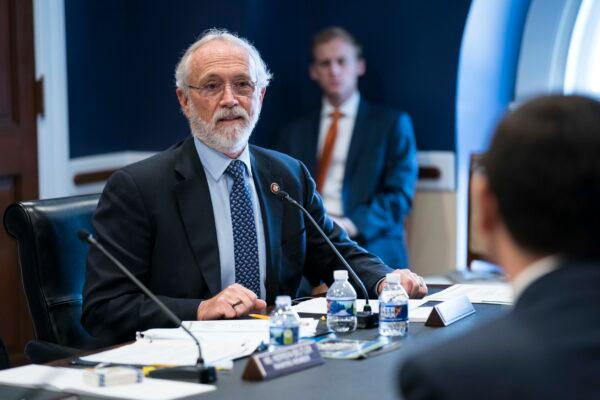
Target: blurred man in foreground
(538,197)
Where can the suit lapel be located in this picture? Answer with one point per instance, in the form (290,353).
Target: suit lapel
(311,141)
(358,144)
(196,212)
(272,215)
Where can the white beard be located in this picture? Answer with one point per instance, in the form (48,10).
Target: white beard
(226,139)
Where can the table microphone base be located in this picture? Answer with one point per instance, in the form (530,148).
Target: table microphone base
(366,320)
(187,373)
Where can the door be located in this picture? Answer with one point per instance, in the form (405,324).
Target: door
(18,160)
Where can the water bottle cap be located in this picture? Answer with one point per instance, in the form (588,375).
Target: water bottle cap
(392,278)
(283,301)
(340,274)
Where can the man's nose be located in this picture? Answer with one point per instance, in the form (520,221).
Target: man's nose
(228,98)
(334,69)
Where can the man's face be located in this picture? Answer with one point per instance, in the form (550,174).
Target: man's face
(223,120)
(336,68)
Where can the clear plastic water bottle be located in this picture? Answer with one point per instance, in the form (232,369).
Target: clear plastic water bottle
(341,304)
(393,308)
(284,323)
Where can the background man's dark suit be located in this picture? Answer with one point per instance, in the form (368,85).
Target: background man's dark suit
(546,348)
(156,217)
(380,175)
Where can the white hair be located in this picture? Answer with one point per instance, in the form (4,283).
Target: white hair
(263,75)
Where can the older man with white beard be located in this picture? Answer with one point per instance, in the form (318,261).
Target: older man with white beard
(197,222)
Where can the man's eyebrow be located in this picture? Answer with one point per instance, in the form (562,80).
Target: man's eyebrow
(213,76)
(242,76)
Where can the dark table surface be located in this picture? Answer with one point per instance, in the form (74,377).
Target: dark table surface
(374,377)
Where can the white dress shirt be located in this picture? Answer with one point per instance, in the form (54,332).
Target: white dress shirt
(332,188)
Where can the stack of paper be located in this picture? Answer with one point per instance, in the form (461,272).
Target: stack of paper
(71,381)
(172,352)
(220,341)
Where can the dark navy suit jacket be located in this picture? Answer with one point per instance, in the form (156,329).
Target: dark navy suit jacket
(547,347)
(156,217)
(380,174)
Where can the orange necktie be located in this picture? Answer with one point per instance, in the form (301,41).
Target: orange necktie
(325,159)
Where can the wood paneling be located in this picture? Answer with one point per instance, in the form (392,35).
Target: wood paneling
(15,327)
(18,159)
(7,67)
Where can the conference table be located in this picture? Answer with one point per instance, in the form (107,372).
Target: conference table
(373,377)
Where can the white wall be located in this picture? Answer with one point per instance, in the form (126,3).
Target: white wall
(56,168)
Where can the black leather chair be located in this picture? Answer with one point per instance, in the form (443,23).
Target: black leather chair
(52,261)
(4,360)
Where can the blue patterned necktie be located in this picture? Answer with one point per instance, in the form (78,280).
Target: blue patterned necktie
(245,242)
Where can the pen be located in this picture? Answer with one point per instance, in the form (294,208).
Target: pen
(258,316)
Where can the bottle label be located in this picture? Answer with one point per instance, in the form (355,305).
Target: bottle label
(393,312)
(341,308)
(282,336)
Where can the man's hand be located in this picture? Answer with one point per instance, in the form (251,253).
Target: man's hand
(413,284)
(234,301)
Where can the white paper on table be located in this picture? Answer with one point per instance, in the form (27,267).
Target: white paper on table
(308,327)
(175,352)
(318,305)
(498,293)
(71,381)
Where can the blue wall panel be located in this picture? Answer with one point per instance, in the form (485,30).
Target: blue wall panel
(121,56)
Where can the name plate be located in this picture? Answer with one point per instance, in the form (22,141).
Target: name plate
(283,361)
(450,311)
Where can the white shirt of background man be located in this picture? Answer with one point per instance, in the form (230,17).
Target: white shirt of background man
(332,189)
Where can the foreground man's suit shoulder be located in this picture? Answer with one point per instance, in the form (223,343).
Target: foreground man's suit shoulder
(552,331)
(156,217)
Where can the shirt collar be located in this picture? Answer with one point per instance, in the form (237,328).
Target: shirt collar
(532,273)
(216,162)
(349,108)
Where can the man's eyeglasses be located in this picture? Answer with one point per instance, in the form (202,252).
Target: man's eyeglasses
(240,87)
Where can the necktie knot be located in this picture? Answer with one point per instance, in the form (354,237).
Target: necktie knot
(236,170)
(336,114)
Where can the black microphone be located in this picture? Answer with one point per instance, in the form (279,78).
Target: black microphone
(199,372)
(365,318)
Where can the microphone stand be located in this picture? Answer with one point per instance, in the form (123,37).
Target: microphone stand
(198,372)
(366,318)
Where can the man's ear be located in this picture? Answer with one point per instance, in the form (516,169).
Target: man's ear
(484,204)
(183,100)
(361,66)
(261,97)
(312,71)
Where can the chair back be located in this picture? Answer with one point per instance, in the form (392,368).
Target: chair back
(4,360)
(53,262)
